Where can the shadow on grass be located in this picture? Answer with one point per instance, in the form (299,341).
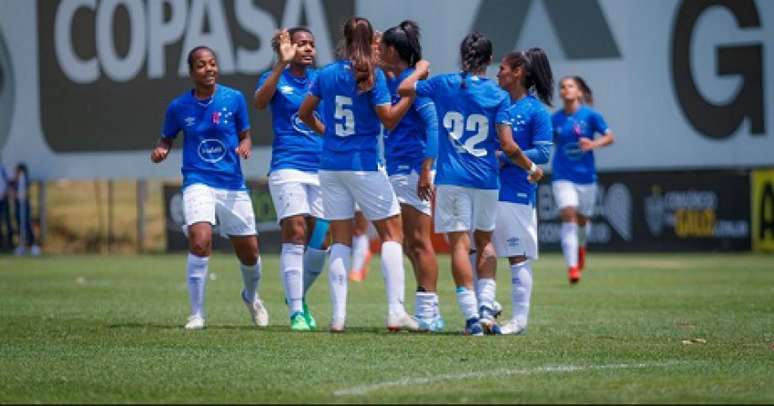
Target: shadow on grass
(283,329)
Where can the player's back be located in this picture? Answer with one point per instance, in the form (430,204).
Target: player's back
(469,109)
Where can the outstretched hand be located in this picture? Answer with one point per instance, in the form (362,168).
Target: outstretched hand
(286,50)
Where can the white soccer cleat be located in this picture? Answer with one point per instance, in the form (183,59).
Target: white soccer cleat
(258,312)
(195,322)
(401,321)
(513,327)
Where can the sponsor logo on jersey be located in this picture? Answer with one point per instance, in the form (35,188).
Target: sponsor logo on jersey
(211,150)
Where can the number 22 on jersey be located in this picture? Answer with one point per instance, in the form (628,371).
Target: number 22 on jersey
(456,124)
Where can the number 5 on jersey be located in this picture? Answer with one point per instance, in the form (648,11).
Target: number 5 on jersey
(456,125)
(344,112)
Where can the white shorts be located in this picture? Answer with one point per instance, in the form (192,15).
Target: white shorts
(405,187)
(516,231)
(570,194)
(231,210)
(295,193)
(370,190)
(460,208)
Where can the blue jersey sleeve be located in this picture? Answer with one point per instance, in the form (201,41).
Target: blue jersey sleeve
(262,79)
(315,89)
(598,123)
(242,118)
(502,116)
(171,125)
(426,88)
(542,136)
(430,118)
(380,94)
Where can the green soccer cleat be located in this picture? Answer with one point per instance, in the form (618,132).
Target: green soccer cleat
(298,322)
(308,317)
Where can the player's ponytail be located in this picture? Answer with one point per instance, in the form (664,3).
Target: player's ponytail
(475,54)
(538,76)
(588,95)
(358,39)
(405,39)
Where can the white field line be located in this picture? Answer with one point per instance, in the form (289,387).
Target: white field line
(415,381)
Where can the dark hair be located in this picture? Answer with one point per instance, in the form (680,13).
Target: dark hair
(291,31)
(405,39)
(537,70)
(475,53)
(358,38)
(588,95)
(193,52)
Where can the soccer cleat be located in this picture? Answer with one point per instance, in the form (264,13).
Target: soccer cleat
(581,258)
(359,275)
(432,325)
(497,309)
(308,317)
(573,274)
(401,321)
(487,320)
(258,312)
(513,327)
(298,322)
(473,327)
(195,322)
(337,326)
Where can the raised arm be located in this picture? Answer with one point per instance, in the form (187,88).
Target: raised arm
(306,114)
(407,86)
(285,53)
(516,155)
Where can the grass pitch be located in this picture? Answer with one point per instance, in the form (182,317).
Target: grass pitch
(638,328)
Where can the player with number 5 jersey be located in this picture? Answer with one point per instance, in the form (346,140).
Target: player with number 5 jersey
(473,116)
(356,99)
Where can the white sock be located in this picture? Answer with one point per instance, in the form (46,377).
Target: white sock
(583,233)
(486,292)
(291,270)
(359,251)
(251,275)
(466,300)
(196,273)
(521,291)
(337,279)
(424,305)
(394,275)
(314,262)
(569,234)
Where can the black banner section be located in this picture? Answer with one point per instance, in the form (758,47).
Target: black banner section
(269,237)
(660,211)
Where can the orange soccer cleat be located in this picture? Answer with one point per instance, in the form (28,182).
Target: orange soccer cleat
(574,275)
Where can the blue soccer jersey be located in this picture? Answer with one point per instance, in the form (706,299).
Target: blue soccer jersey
(570,163)
(532,132)
(467,128)
(415,136)
(295,145)
(211,130)
(351,123)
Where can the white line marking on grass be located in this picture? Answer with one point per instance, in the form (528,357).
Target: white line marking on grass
(415,381)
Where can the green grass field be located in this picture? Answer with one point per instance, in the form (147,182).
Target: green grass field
(108,329)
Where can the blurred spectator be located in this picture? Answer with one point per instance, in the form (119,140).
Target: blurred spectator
(23,212)
(6,227)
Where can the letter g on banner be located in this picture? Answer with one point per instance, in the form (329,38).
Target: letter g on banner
(6,92)
(712,120)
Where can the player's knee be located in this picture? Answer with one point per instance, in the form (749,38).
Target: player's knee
(201,246)
(488,253)
(420,248)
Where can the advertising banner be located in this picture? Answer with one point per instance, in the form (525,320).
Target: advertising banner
(763,210)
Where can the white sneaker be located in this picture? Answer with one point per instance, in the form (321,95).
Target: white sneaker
(195,322)
(513,327)
(35,250)
(257,310)
(337,326)
(401,321)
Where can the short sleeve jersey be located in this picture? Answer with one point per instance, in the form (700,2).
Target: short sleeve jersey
(570,163)
(211,130)
(295,145)
(531,126)
(404,145)
(351,124)
(467,128)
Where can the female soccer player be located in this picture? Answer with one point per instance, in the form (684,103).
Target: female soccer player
(573,176)
(473,111)
(216,128)
(412,144)
(293,179)
(527,77)
(356,99)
